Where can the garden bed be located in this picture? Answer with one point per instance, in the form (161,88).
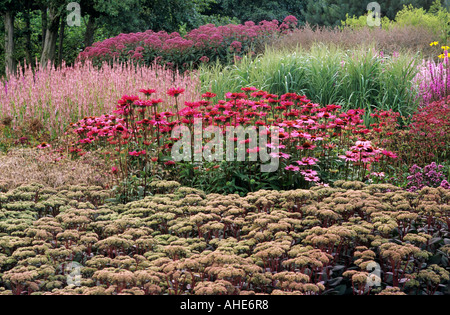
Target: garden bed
(324,241)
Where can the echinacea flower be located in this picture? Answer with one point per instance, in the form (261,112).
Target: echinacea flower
(306,146)
(280,154)
(292,168)
(308,161)
(44,145)
(312,178)
(390,154)
(309,173)
(349,157)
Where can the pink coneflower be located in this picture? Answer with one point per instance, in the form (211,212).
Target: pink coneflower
(309,173)
(380,174)
(169,163)
(280,155)
(306,120)
(312,178)
(271,146)
(308,161)
(87,140)
(349,157)
(326,115)
(306,146)
(390,154)
(44,145)
(292,168)
(362,146)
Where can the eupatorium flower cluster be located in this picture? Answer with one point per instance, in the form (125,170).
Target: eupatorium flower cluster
(204,44)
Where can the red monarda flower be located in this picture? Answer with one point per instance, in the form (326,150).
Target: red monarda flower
(157,101)
(128,99)
(209,95)
(148,92)
(135,153)
(235,96)
(175,92)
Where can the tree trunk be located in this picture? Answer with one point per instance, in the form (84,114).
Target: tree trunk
(44,24)
(51,37)
(62,30)
(28,37)
(10,62)
(90,32)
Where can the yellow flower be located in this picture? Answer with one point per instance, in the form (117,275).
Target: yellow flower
(445,47)
(434,43)
(441,56)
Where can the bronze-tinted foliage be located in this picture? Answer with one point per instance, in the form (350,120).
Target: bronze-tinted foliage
(400,39)
(181,241)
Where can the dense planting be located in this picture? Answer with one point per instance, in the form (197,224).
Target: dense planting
(361,77)
(182,241)
(52,98)
(311,144)
(205,44)
(249,159)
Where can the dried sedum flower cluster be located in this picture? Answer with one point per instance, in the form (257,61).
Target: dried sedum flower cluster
(326,240)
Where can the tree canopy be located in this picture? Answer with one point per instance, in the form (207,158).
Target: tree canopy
(38,29)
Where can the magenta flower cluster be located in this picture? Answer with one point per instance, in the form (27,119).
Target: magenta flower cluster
(200,45)
(430,176)
(433,80)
